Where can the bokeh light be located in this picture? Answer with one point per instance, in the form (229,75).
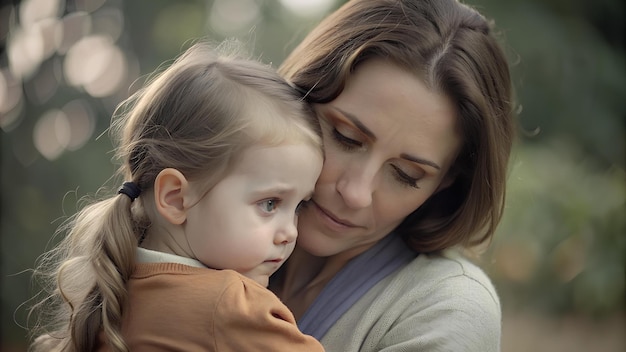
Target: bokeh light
(229,17)
(81,121)
(52,134)
(10,100)
(308,8)
(96,64)
(569,258)
(33,11)
(74,27)
(25,52)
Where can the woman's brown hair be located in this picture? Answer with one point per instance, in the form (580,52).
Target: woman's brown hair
(453,50)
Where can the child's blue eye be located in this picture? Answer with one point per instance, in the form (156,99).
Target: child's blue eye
(268,205)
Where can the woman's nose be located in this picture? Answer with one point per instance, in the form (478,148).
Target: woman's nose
(356,186)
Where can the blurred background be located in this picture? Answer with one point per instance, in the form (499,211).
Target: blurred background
(558,259)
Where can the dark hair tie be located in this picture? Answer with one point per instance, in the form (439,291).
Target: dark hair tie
(130,189)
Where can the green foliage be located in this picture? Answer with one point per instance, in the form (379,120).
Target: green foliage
(561,245)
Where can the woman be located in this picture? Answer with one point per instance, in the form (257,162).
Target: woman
(414,98)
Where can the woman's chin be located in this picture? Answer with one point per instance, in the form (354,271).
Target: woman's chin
(317,243)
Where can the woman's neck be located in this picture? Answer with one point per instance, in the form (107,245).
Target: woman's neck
(305,275)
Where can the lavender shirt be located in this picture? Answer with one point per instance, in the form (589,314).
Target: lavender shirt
(352,282)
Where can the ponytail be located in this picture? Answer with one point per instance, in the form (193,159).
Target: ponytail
(90,268)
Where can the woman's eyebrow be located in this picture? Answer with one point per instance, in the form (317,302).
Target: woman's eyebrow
(420,161)
(357,123)
(371,135)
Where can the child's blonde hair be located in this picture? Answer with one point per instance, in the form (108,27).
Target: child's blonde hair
(197,116)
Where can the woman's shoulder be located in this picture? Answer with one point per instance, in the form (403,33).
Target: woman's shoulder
(449,265)
(447,271)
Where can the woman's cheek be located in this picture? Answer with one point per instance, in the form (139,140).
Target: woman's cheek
(333,161)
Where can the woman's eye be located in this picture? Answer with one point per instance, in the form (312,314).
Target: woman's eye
(268,205)
(346,142)
(404,178)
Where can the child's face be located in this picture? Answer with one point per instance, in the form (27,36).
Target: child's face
(247,222)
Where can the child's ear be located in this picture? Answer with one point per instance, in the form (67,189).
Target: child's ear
(170,189)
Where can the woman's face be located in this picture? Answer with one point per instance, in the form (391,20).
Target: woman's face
(389,142)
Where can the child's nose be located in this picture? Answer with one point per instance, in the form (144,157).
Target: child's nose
(287,233)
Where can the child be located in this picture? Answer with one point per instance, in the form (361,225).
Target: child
(218,153)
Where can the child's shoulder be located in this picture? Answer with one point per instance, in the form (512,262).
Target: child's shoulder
(183,278)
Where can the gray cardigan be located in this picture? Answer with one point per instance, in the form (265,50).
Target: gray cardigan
(433,303)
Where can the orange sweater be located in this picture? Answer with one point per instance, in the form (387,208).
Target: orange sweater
(175,307)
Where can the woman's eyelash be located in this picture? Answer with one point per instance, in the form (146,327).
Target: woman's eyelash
(348,143)
(404,178)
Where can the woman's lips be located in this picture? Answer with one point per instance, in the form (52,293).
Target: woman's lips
(332,220)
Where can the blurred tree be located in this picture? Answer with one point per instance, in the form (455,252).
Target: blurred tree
(561,247)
